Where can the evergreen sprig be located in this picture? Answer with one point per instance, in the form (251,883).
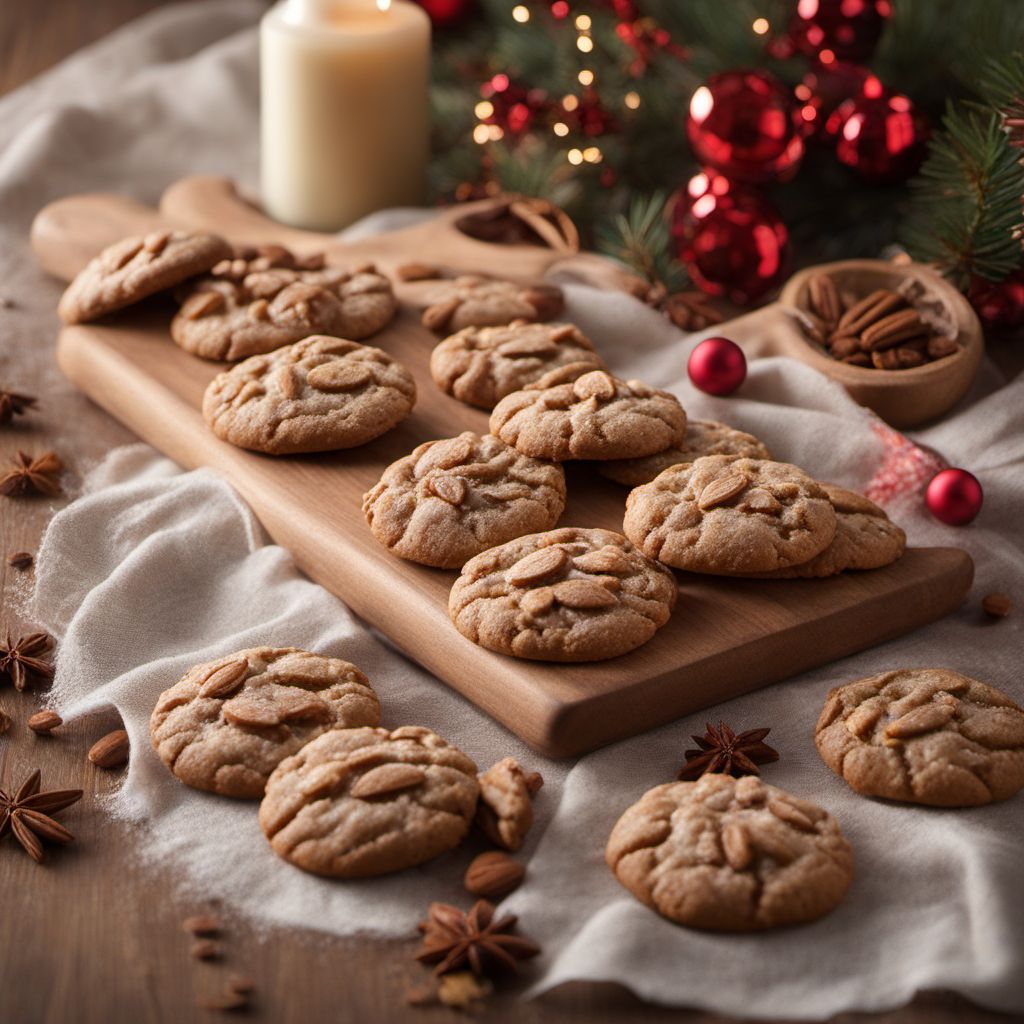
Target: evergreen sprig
(640,239)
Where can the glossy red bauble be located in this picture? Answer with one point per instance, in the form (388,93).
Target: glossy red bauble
(832,30)
(823,88)
(447,13)
(717,366)
(954,496)
(743,123)
(514,108)
(999,304)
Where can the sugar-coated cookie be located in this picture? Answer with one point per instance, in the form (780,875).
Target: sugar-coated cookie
(473,301)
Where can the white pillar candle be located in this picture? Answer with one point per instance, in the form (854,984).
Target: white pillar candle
(345,119)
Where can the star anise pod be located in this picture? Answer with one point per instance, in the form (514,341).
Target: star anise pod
(722,750)
(453,939)
(28,475)
(20,661)
(26,814)
(12,404)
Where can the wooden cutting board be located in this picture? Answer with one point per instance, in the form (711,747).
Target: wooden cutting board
(726,637)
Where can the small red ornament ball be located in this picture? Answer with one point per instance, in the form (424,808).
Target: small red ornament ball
(954,496)
(823,88)
(832,30)
(717,366)
(743,123)
(447,13)
(999,304)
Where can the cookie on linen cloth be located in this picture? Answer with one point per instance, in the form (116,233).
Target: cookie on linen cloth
(505,810)
(568,595)
(228,723)
(472,301)
(481,365)
(924,736)
(451,499)
(596,416)
(319,394)
(730,516)
(866,538)
(225,318)
(134,268)
(729,854)
(703,437)
(361,802)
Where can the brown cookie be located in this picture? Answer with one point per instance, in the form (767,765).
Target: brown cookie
(473,301)
(596,416)
(451,499)
(505,810)
(730,854)
(134,268)
(730,516)
(319,394)
(567,595)
(481,365)
(360,802)
(228,723)
(222,317)
(924,736)
(703,437)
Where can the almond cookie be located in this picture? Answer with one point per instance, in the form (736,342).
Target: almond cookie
(222,317)
(866,538)
(596,416)
(472,301)
(730,854)
(451,499)
(319,394)
(505,810)
(567,595)
(134,268)
(228,723)
(924,736)
(730,516)
(360,802)
(703,437)
(481,365)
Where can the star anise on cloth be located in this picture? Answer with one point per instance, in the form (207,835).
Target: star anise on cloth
(722,750)
(453,939)
(12,404)
(26,814)
(20,661)
(28,475)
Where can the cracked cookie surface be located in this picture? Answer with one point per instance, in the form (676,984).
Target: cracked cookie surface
(572,594)
(226,725)
(448,500)
(225,316)
(319,394)
(136,267)
(481,365)
(730,516)
(361,802)
(596,416)
(473,301)
(729,854)
(924,736)
(703,437)
(505,810)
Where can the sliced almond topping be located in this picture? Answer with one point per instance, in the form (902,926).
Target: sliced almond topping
(607,559)
(225,680)
(788,813)
(449,488)
(452,451)
(437,316)
(201,304)
(246,709)
(862,720)
(339,375)
(528,346)
(563,333)
(722,490)
(258,310)
(117,256)
(388,778)
(736,844)
(749,790)
(921,720)
(537,602)
(537,566)
(582,594)
(156,242)
(287,381)
(760,500)
(596,384)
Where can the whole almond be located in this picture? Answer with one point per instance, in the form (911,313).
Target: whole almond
(111,751)
(492,875)
(339,375)
(437,316)
(20,560)
(997,605)
(788,813)
(736,845)
(583,594)
(44,722)
(722,490)
(225,680)
(537,566)
(596,384)
(451,489)
(387,778)
(534,781)
(202,304)
(924,719)
(417,271)
(603,560)
(203,924)
(206,949)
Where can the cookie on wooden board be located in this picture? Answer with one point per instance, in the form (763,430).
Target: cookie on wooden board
(134,268)
(319,394)
(596,416)
(227,724)
(481,365)
(361,802)
(703,437)
(730,516)
(448,500)
(924,736)
(729,854)
(572,594)
(473,301)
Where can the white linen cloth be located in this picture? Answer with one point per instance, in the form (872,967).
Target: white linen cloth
(152,570)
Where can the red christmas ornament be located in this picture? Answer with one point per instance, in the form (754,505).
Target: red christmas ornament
(514,108)
(880,134)
(645,37)
(717,366)
(447,13)
(822,90)
(730,238)
(954,496)
(831,30)
(743,123)
(590,116)
(999,304)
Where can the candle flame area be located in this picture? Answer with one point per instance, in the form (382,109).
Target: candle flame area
(383,5)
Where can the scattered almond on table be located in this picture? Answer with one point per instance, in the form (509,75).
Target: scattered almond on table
(44,722)
(493,874)
(203,924)
(111,751)
(997,605)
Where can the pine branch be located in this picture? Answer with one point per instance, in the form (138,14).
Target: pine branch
(640,239)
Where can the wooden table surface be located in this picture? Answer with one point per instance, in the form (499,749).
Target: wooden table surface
(89,936)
